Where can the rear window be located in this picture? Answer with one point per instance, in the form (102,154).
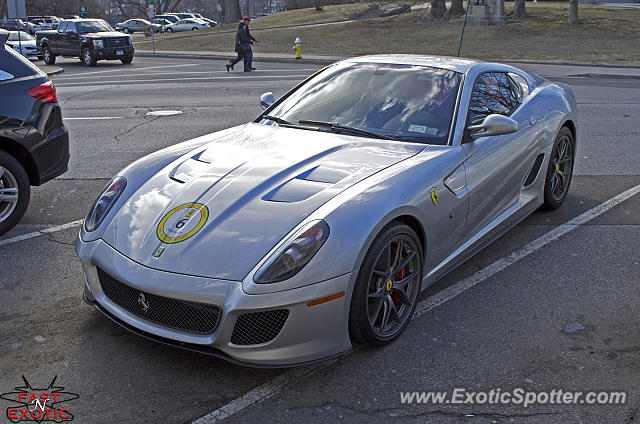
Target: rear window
(15,64)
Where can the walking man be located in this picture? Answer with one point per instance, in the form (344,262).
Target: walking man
(248,58)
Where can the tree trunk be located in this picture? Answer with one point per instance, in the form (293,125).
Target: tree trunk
(318,4)
(232,11)
(573,12)
(519,10)
(438,9)
(457,8)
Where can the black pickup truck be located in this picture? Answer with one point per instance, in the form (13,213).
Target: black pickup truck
(89,39)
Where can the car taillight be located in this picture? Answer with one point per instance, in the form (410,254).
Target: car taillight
(45,92)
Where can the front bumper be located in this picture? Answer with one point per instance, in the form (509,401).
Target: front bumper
(111,53)
(309,333)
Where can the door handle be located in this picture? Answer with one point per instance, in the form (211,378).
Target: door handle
(533,120)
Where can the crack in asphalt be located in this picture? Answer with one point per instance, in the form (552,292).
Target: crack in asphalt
(51,238)
(117,137)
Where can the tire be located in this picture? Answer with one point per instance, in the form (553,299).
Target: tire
(126,60)
(48,56)
(194,29)
(379,289)
(169,30)
(13,177)
(125,30)
(560,170)
(88,58)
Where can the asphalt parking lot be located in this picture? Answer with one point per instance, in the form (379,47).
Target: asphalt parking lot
(564,316)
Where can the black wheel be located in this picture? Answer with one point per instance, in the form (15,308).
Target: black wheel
(88,58)
(194,29)
(125,30)
(126,60)
(48,56)
(560,170)
(385,293)
(169,30)
(14,192)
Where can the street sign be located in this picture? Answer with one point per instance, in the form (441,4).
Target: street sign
(151,12)
(83,11)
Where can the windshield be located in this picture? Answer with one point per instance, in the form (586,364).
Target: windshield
(13,36)
(401,102)
(85,27)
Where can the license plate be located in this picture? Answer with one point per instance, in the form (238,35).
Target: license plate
(120,52)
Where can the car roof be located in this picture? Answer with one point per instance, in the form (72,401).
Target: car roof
(457,64)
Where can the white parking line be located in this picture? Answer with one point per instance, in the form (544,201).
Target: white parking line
(144,74)
(92,118)
(41,232)
(125,82)
(275,386)
(80,74)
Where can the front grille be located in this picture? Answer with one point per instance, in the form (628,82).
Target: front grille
(258,327)
(117,42)
(182,315)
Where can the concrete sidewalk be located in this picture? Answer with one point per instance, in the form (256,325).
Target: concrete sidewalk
(551,69)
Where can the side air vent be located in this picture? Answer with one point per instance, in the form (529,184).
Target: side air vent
(258,327)
(534,170)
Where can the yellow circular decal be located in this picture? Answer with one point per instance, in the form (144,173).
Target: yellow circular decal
(389,285)
(182,222)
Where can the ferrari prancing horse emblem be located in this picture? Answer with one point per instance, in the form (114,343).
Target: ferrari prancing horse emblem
(434,195)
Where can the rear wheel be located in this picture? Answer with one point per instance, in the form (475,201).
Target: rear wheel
(125,30)
(126,60)
(560,170)
(88,58)
(14,192)
(194,29)
(48,56)
(385,293)
(169,30)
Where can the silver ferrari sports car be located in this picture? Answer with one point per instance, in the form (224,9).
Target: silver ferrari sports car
(313,228)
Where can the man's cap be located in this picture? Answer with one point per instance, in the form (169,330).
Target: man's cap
(246,18)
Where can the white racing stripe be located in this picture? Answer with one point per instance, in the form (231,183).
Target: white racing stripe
(41,232)
(275,386)
(125,82)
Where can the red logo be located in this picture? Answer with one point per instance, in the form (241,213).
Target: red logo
(39,405)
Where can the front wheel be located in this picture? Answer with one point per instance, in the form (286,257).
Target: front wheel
(387,286)
(560,170)
(194,29)
(169,30)
(125,30)
(126,60)
(14,192)
(48,56)
(88,58)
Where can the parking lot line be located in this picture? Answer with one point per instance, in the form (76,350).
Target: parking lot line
(125,82)
(121,70)
(223,72)
(274,386)
(41,232)
(93,118)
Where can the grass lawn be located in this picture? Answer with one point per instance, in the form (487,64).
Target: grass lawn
(605,35)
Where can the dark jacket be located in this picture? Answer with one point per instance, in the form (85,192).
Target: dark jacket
(241,37)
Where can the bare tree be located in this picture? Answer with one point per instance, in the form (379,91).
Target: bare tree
(519,10)
(232,11)
(573,12)
(456,8)
(438,9)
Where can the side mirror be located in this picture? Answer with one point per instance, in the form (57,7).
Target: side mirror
(493,125)
(266,100)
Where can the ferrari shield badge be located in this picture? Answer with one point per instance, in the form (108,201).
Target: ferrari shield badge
(434,195)
(182,222)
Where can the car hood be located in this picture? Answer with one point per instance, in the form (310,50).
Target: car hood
(104,34)
(257,182)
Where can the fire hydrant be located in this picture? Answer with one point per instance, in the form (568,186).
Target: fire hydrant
(298,47)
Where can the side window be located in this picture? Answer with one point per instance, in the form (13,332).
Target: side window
(62,27)
(493,92)
(71,27)
(521,85)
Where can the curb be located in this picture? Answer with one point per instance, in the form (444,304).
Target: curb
(229,56)
(51,70)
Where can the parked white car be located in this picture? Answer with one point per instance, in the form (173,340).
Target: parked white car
(24,44)
(187,25)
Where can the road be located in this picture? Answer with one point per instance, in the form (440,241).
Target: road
(562,317)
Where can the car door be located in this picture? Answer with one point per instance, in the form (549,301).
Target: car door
(495,164)
(71,40)
(60,38)
(182,25)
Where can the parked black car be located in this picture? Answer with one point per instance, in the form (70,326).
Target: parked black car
(34,143)
(89,39)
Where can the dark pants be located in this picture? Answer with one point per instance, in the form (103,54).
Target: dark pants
(239,58)
(248,58)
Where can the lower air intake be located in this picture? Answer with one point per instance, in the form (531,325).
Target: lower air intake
(258,327)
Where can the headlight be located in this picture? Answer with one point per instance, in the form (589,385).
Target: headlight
(293,256)
(98,44)
(130,41)
(104,203)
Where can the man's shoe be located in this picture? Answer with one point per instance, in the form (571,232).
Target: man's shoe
(253,69)
(247,70)
(228,65)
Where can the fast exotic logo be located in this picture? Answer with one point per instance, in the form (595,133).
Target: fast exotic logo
(39,405)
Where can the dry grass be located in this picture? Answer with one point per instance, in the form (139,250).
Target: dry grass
(605,35)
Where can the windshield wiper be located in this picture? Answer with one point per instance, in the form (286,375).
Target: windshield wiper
(280,121)
(339,127)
